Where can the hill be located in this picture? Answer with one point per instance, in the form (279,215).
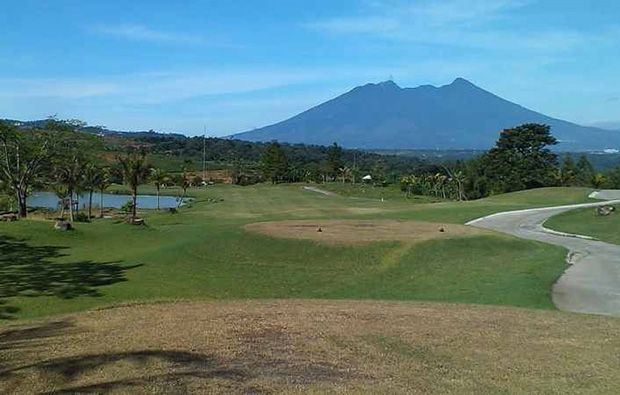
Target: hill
(455,116)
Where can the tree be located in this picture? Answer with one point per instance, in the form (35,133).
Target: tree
(71,157)
(458,179)
(345,173)
(6,197)
(135,171)
(408,183)
(598,180)
(68,171)
(62,194)
(334,159)
(584,171)
(91,181)
(274,163)
(520,159)
(104,182)
(612,178)
(568,172)
(22,156)
(159,177)
(181,180)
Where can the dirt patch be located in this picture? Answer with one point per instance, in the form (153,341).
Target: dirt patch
(347,231)
(310,346)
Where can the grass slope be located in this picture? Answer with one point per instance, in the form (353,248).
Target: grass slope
(587,222)
(203,253)
(312,346)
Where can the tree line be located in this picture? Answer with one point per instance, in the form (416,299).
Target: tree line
(57,156)
(521,159)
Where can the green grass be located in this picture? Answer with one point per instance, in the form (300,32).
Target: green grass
(587,222)
(373,192)
(545,197)
(203,253)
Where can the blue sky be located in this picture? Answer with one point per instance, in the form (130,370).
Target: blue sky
(236,65)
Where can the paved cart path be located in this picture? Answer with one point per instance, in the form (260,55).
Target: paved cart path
(592,283)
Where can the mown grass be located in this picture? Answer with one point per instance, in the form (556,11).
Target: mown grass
(368,191)
(587,222)
(203,253)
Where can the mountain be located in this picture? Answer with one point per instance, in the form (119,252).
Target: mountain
(615,126)
(99,130)
(455,116)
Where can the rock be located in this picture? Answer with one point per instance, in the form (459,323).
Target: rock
(442,229)
(319,230)
(604,210)
(63,225)
(136,221)
(8,217)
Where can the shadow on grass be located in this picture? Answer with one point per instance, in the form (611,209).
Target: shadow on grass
(262,354)
(30,271)
(179,367)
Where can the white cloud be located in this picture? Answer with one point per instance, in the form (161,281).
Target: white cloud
(463,23)
(142,33)
(69,88)
(155,87)
(364,25)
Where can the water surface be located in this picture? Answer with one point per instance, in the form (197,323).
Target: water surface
(50,200)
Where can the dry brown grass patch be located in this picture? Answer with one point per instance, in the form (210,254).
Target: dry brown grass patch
(355,231)
(312,347)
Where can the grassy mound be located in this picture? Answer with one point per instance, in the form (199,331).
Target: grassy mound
(352,232)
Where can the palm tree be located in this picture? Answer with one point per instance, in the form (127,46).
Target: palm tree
(460,179)
(409,182)
(69,173)
(182,181)
(91,180)
(345,173)
(61,193)
(159,177)
(104,182)
(135,171)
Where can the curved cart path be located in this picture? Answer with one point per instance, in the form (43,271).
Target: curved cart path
(592,283)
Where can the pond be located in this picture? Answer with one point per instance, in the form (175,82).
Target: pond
(50,200)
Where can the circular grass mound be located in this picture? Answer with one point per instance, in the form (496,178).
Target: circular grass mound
(355,231)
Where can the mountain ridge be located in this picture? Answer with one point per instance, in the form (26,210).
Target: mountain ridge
(459,115)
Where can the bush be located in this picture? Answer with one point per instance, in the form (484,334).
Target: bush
(127,207)
(81,217)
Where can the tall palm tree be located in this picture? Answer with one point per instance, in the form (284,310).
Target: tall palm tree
(104,182)
(159,177)
(135,171)
(69,173)
(91,180)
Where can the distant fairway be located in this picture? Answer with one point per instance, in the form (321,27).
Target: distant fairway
(203,252)
(587,222)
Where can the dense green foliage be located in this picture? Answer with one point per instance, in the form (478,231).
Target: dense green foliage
(520,160)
